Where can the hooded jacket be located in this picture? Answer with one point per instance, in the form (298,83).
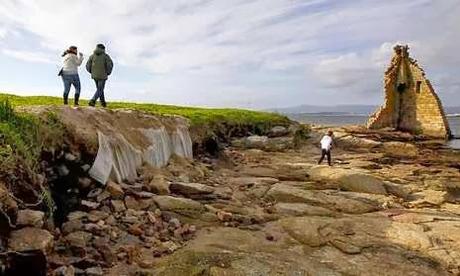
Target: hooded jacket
(99,64)
(70,63)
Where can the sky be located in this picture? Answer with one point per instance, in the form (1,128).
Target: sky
(231,53)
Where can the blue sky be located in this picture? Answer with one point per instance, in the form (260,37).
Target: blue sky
(234,53)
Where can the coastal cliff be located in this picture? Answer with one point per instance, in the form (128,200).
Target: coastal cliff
(223,198)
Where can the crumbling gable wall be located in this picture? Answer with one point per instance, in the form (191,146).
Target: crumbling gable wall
(410,101)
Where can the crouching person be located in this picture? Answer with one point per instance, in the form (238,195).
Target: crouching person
(100,66)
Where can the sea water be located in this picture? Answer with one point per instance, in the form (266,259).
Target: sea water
(340,120)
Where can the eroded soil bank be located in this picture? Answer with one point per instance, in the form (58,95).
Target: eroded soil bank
(389,205)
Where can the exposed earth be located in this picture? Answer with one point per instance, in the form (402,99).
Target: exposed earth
(389,205)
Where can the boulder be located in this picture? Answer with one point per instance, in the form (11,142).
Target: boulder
(397,190)
(78,239)
(96,215)
(278,131)
(94,271)
(131,203)
(30,217)
(89,205)
(265,143)
(64,271)
(190,189)
(84,182)
(30,238)
(77,215)
(400,149)
(72,226)
(114,190)
(70,157)
(63,170)
(8,204)
(159,185)
(118,205)
(183,206)
(255,141)
(143,195)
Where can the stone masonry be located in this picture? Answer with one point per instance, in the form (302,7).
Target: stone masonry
(411,103)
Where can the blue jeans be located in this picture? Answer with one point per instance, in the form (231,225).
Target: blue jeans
(100,85)
(70,80)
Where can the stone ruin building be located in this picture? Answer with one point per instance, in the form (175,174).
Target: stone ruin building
(411,104)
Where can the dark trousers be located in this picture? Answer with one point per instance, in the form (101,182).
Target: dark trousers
(327,153)
(100,85)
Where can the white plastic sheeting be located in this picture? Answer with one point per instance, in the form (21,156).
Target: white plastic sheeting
(118,160)
(182,142)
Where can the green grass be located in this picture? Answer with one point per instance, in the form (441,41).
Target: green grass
(197,116)
(19,133)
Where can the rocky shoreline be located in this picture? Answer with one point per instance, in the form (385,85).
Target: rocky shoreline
(389,205)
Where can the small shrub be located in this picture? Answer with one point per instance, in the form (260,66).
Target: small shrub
(302,134)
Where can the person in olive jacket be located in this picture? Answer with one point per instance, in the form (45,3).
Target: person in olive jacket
(100,66)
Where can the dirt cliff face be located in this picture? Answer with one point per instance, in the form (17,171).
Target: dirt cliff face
(411,103)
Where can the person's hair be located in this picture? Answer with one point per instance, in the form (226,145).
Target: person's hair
(100,46)
(71,49)
(330,133)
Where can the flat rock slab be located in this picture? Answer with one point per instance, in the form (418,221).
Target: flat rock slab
(190,189)
(400,149)
(349,179)
(301,209)
(248,180)
(345,202)
(332,251)
(347,141)
(180,205)
(30,238)
(429,198)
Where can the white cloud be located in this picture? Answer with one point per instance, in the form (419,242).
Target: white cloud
(28,56)
(219,50)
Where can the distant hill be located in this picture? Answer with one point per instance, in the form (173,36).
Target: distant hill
(342,109)
(337,109)
(452,110)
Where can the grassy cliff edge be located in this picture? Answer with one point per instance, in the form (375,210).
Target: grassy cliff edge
(197,115)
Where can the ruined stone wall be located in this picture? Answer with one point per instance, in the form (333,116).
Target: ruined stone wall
(385,116)
(416,109)
(429,114)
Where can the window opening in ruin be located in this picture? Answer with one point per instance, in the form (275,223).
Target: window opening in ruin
(417,87)
(401,87)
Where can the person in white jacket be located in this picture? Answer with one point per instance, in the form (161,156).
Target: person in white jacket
(326,145)
(71,61)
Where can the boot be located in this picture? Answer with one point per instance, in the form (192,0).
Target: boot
(77,97)
(66,100)
(91,103)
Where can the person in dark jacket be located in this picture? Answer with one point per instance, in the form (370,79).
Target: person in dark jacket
(100,66)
